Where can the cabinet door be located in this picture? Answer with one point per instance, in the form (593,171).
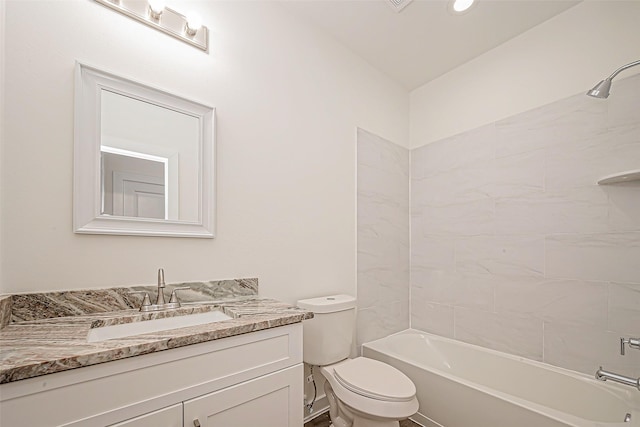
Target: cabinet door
(273,400)
(167,417)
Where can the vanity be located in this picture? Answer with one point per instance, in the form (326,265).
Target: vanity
(241,370)
(144,165)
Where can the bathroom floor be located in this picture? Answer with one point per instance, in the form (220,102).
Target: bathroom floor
(324,421)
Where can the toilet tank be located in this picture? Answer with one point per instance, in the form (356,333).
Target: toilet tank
(327,338)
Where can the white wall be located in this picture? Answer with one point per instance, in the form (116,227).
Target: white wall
(567,54)
(2,127)
(288,102)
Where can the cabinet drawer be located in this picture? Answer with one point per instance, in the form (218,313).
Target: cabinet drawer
(167,417)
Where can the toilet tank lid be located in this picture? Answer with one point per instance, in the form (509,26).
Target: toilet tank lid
(328,304)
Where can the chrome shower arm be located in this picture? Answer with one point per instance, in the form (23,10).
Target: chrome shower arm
(624,67)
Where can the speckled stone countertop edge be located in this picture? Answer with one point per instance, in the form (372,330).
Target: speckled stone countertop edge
(39,347)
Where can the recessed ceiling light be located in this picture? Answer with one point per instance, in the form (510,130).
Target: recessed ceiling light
(460,6)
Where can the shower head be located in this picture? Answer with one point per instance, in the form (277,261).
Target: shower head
(601,90)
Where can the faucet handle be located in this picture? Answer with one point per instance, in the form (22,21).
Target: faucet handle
(632,342)
(146,302)
(174,295)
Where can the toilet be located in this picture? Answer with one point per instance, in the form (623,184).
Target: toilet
(361,392)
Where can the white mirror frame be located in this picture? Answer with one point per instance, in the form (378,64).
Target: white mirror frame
(87,196)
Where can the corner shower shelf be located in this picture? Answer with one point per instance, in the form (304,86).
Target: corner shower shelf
(632,175)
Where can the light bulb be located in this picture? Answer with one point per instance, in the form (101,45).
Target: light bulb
(156,7)
(462,5)
(194,23)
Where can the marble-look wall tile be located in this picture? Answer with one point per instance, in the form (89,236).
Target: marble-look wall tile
(585,348)
(368,326)
(577,210)
(378,153)
(433,285)
(378,322)
(509,176)
(584,161)
(431,317)
(382,237)
(624,308)
(510,232)
(474,291)
(472,147)
(432,251)
(506,255)
(570,119)
(624,205)
(454,288)
(623,117)
(569,301)
(602,257)
(375,185)
(518,174)
(465,218)
(453,187)
(518,334)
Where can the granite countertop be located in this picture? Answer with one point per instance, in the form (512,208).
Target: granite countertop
(47,344)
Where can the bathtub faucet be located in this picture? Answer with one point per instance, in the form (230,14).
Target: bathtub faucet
(631,342)
(603,375)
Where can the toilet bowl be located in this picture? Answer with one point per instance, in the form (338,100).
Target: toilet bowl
(361,392)
(368,393)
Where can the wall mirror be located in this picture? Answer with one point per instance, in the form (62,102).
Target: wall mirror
(143,159)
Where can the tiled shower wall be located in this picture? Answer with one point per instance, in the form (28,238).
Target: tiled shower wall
(383,238)
(513,245)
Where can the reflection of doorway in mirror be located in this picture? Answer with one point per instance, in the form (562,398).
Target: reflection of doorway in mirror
(137,126)
(134,184)
(140,196)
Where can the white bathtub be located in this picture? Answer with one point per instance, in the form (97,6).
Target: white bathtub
(462,385)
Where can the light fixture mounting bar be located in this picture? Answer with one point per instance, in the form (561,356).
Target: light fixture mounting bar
(169,22)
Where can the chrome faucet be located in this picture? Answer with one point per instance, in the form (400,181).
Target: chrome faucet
(161,303)
(603,375)
(631,342)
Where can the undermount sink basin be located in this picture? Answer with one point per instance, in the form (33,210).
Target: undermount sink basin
(144,327)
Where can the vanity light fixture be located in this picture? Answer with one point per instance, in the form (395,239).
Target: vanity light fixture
(155,14)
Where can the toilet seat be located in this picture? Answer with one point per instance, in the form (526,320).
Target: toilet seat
(375,380)
(366,388)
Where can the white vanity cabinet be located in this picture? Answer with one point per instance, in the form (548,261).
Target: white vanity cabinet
(243,380)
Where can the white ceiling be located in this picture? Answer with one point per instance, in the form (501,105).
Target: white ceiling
(424,40)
